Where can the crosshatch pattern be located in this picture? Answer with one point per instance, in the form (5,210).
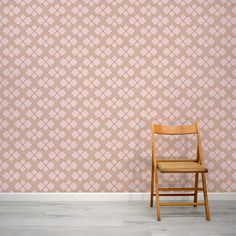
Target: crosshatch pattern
(81,82)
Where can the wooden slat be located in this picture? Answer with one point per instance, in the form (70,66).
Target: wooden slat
(182,204)
(175,160)
(179,189)
(174,130)
(176,194)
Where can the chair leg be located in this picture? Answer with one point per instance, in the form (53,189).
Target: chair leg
(157,195)
(152,187)
(207,211)
(196,189)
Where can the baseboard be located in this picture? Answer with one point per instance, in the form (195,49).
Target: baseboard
(102,196)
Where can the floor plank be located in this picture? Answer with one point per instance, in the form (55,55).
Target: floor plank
(113,219)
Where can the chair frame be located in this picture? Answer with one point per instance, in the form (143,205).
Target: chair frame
(177,130)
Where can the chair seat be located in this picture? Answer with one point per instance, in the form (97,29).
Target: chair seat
(181,167)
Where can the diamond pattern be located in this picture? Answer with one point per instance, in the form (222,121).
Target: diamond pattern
(82,80)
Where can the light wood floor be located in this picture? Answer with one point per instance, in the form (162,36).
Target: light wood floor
(113,219)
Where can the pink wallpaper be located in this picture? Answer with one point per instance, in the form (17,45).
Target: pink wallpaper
(81,82)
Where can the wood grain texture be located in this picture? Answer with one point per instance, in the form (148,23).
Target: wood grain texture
(107,218)
(174,130)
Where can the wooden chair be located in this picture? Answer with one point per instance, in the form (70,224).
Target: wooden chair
(178,166)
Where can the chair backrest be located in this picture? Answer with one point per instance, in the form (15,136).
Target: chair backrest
(174,130)
(177,130)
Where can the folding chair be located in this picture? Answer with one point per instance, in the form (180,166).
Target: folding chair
(178,166)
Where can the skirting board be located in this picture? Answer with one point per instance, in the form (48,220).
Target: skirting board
(103,197)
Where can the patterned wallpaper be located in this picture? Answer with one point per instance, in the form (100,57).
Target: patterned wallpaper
(81,82)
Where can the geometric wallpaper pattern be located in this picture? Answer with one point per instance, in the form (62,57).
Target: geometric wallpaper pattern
(82,81)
